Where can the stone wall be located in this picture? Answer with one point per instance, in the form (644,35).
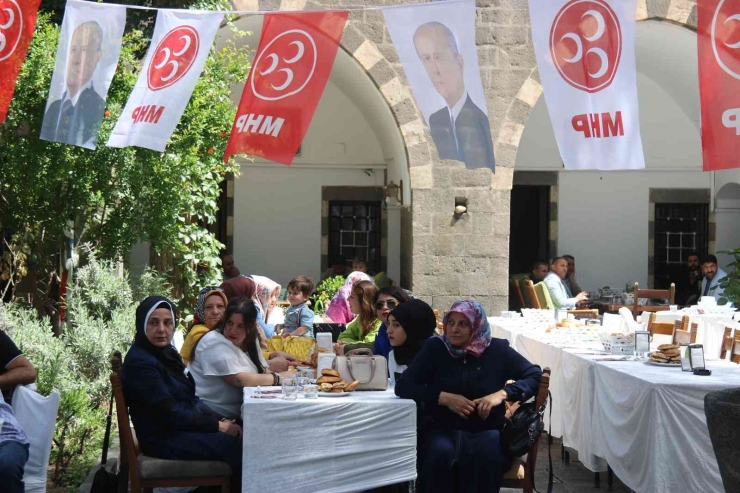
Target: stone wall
(453,259)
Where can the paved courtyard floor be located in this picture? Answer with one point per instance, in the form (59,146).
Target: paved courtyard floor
(573,478)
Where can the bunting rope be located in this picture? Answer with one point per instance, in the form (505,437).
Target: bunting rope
(263,12)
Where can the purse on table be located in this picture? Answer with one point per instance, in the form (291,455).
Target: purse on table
(370,371)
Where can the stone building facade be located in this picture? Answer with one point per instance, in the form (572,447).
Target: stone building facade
(446,258)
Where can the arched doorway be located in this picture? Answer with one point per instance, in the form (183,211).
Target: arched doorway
(286,221)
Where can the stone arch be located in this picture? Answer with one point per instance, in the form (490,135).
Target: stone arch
(680,12)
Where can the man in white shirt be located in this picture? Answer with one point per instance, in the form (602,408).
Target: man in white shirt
(559,291)
(76,117)
(460,130)
(712,277)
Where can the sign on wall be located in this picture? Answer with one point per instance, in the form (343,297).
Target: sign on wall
(585,53)
(718,39)
(436,45)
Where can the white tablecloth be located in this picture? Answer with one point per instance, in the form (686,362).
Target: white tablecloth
(340,444)
(709,331)
(647,422)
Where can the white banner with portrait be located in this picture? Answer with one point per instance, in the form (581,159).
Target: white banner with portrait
(436,45)
(586,59)
(179,49)
(87,56)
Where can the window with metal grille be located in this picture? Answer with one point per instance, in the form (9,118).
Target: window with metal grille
(679,230)
(354,231)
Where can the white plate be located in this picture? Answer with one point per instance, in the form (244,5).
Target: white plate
(667,365)
(334,394)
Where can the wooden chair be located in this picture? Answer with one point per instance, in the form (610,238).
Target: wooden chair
(545,301)
(529,291)
(652,294)
(516,290)
(735,351)
(667,328)
(147,472)
(519,476)
(727,342)
(683,336)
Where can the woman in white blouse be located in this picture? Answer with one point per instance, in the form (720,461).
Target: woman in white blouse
(228,358)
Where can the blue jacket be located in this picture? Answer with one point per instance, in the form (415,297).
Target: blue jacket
(434,370)
(160,404)
(382,343)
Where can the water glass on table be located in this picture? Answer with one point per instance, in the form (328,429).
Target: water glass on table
(290,388)
(311,391)
(301,381)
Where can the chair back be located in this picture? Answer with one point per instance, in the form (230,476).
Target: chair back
(653,294)
(529,290)
(543,296)
(516,290)
(682,334)
(727,341)
(735,352)
(129,445)
(541,398)
(660,328)
(37,415)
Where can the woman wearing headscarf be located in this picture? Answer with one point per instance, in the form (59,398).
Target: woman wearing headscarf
(459,380)
(266,296)
(409,326)
(228,358)
(209,308)
(245,287)
(339,310)
(169,419)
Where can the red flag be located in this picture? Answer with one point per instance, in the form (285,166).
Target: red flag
(718,38)
(17,21)
(288,76)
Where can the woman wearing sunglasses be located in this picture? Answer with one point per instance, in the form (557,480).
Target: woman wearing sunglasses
(386,301)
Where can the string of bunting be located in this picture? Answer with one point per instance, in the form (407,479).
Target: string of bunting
(585,51)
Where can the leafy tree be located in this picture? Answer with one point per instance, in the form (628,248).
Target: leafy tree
(114,197)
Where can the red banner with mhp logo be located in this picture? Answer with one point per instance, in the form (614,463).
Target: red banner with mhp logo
(718,37)
(289,73)
(17,20)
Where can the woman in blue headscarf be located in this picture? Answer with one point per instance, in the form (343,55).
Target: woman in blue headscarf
(459,380)
(170,421)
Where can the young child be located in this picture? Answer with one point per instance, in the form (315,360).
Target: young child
(299,317)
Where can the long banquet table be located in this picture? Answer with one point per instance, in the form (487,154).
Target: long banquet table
(331,444)
(646,422)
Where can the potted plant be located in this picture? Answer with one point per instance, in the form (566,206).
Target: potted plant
(731,283)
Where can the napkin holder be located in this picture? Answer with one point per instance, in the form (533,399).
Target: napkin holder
(696,357)
(324,341)
(324,361)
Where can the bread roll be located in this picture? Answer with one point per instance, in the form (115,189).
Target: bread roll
(352,386)
(663,347)
(340,385)
(328,380)
(672,353)
(328,372)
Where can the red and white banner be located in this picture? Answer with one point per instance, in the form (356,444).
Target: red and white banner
(17,20)
(178,50)
(87,57)
(585,53)
(290,70)
(718,38)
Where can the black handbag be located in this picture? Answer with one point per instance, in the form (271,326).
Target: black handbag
(522,430)
(104,481)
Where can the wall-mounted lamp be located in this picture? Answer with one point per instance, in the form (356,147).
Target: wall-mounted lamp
(461,207)
(395,191)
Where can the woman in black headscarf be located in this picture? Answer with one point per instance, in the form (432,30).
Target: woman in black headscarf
(410,324)
(170,421)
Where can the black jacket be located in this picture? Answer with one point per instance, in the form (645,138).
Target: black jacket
(434,370)
(79,123)
(473,136)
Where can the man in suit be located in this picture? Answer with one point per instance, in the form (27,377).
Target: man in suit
(712,276)
(560,293)
(76,117)
(460,130)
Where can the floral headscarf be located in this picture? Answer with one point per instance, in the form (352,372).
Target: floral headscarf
(199,318)
(338,310)
(264,287)
(480,336)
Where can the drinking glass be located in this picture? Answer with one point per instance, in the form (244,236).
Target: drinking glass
(290,388)
(301,382)
(311,391)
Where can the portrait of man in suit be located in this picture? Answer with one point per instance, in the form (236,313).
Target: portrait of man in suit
(76,117)
(460,129)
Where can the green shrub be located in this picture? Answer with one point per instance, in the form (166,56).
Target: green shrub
(324,292)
